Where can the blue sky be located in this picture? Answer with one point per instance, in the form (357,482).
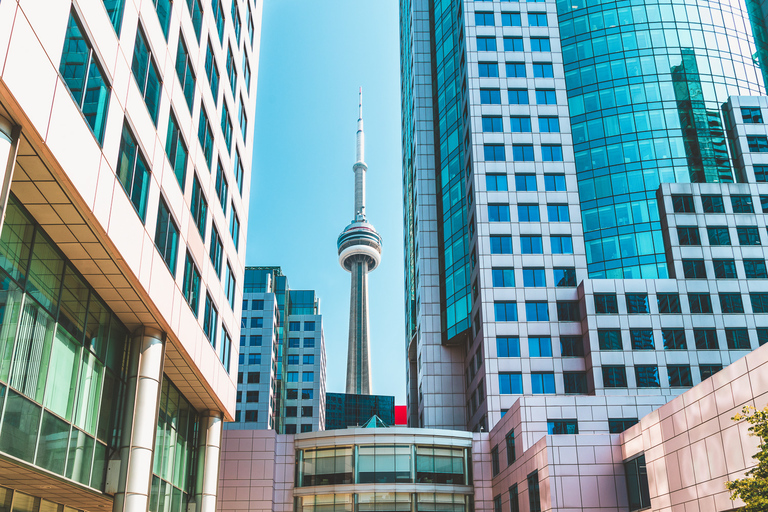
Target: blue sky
(314,57)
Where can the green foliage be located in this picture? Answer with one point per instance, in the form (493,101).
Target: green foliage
(753,488)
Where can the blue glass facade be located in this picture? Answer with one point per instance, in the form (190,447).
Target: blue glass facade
(344,410)
(645,84)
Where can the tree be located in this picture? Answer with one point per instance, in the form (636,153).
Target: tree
(753,488)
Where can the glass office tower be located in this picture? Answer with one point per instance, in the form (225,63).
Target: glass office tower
(562,164)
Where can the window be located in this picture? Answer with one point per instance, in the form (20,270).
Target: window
(510,383)
(292,377)
(748,236)
(724,269)
(549,125)
(534,277)
(218,16)
(757,143)
(706,339)
(236,22)
(495,467)
(511,19)
(210,319)
(554,182)
(291,411)
(294,326)
(558,427)
(503,277)
(761,173)
(306,411)
(699,303)
(679,376)
(495,471)
(540,44)
(546,97)
(515,69)
(617,426)
(688,235)
(525,182)
(755,269)
(751,115)
(731,303)
(212,72)
(492,124)
(708,370)
(528,213)
(609,339)
(568,311)
(564,276)
(514,501)
(518,96)
(742,204)
(510,442)
(498,213)
(647,376)
(508,346)
(199,207)
(309,326)
(167,236)
(522,152)
(762,337)
(255,340)
(309,342)
(606,303)
(539,347)
(571,346)
(759,302)
(146,74)
(683,203)
(737,339)
(513,44)
(226,126)
(637,303)
(251,415)
(216,249)
(537,19)
(614,376)
(490,96)
(246,77)
(229,286)
(234,227)
(196,13)
(484,19)
(505,311)
(133,172)
(84,78)
(551,153)
(176,150)
(205,136)
(191,286)
(496,182)
(520,124)
(712,204)
(694,269)
(673,339)
(575,383)
(641,339)
(718,236)
(293,343)
(543,70)
(531,244)
(494,152)
(487,69)
(307,394)
(669,302)
(501,244)
(486,44)
(307,376)
(542,383)
(257,322)
(184,71)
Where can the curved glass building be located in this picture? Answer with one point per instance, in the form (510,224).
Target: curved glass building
(645,83)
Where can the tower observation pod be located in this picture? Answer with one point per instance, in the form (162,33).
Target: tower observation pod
(359,253)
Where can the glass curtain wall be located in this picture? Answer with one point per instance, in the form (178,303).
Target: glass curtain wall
(389,501)
(62,358)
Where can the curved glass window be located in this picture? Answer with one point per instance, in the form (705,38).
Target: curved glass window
(384,464)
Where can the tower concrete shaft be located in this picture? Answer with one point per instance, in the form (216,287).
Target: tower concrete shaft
(358,348)
(359,253)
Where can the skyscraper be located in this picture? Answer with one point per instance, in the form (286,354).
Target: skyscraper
(578,181)
(359,253)
(126,175)
(281,367)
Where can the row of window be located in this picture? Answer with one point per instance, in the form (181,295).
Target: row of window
(718,235)
(305,377)
(528,213)
(248,377)
(306,394)
(537,311)
(256,304)
(518,96)
(306,411)
(534,496)
(638,303)
(522,153)
(515,70)
(504,277)
(293,359)
(511,19)
(520,124)
(525,182)
(713,203)
(696,268)
(513,44)
(531,244)
(250,397)
(296,326)
(290,428)
(251,359)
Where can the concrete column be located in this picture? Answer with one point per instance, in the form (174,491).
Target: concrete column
(140,421)
(208,461)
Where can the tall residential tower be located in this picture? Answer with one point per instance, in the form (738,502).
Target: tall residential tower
(359,253)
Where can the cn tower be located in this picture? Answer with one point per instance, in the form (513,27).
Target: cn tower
(359,253)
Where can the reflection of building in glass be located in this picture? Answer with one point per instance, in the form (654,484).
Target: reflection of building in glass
(343,410)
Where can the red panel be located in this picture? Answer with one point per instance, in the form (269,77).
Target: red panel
(401,415)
